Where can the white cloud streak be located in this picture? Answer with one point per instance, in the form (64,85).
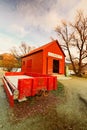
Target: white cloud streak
(35,19)
(6,43)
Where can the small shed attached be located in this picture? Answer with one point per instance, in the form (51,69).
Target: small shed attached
(47,59)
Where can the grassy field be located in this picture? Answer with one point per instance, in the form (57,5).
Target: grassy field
(60,110)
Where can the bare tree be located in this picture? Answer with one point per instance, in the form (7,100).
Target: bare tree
(75,35)
(25,49)
(21,51)
(80,38)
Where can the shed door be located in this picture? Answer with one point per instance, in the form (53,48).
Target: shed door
(55,66)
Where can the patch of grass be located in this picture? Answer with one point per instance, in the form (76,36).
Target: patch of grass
(60,89)
(84,76)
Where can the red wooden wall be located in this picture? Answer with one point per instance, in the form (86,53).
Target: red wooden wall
(41,62)
(33,63)
(48,60)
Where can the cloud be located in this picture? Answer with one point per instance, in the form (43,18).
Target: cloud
(83,6)
(18,29)
(34,20)
(80,5)
(45,14)
(40,14)
(6,43)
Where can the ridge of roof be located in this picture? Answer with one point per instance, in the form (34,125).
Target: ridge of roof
(41,48)
(60,48)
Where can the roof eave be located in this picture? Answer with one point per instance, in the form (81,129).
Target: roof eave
(31,53)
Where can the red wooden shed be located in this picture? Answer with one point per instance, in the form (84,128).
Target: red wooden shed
(47,59)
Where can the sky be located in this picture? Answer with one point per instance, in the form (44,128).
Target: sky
(34,21)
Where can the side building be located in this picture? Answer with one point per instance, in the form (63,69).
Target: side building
(47,59)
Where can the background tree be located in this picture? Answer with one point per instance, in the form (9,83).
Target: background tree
(75,36)
(9,62)
(1,57)
(22,50)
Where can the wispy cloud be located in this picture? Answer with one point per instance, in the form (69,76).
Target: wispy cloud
(35,20)
(6,43)
(18,29)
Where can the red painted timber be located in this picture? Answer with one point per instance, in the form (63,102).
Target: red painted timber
(31,86)
(39,83)
(24,87)
(9,93)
